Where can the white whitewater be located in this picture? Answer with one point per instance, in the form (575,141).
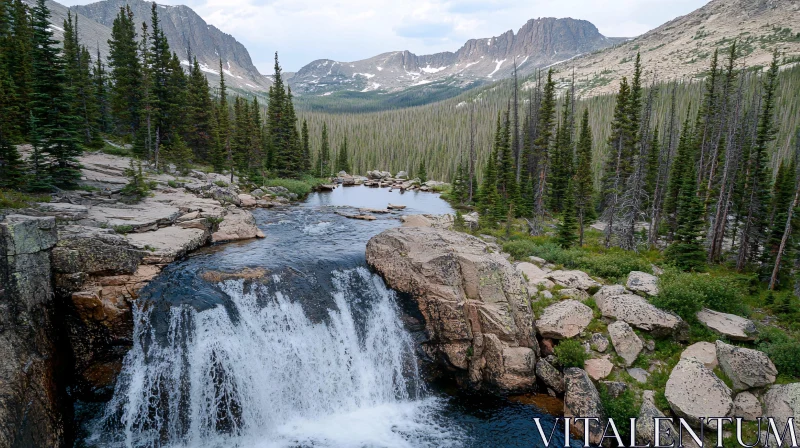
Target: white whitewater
(271,377)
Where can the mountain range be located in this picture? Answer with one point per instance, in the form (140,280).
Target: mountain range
(540,42)
(677,49)
(186,32)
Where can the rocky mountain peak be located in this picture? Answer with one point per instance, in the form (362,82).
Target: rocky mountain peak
(187,33)
(538,43)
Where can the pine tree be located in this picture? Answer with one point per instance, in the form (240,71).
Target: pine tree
(683,158)
(562,159)
(757,193)
(52,102)
(616,167)
(126,74)
(786,249)
(342,163)
(257,161)
(39,175)
(783,191)
(566,229)
(584,183)
(422,172)
(488,197)
(526,196)
(16,66)
(507,172)
(324,158)
(220,156)
(199,114)
(179,154)
(100,80)
(686,251)
(458,193)
(651,171)
(12,169)
(541,146)
(306,165)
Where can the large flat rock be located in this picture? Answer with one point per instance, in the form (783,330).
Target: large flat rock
(643,282)
(640,313)
(626,343)
(734,327)
(573,279)
(237,224)
(564,319)
(694,392)
(142,217)
(747,368)
(167,244)
(705,352)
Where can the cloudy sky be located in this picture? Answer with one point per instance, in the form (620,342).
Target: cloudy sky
(305,30)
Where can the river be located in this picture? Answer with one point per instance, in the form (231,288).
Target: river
(314,352)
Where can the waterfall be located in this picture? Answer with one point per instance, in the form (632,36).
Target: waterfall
(259,372)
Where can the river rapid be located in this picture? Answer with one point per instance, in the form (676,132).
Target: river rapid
(312,350)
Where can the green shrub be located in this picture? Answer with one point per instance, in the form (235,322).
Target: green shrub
(172,183)
(221,183)
(613,265)
(300,187)
(520,249)
(16,199)
(138,187)
(124,228)
(687,293)
(621,408)
(115,151)
(570,353)
(782,349)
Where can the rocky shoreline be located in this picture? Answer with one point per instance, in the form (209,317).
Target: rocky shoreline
(73,269)
(481,329)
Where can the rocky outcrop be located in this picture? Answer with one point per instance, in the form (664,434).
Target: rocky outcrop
(626,343)
(574,293)
(564,319)
(29,395)
(474,303)
(782,402)
(582,400)
(746,406)
(573,279)
(188,35)
(608,291)
(168,244)
(237,225)
(747,368)
(689,380)
(643,282)
(704,352)
(84,252)
(598,342)
(550,376)
(435,221)
(645,426)
(598,368)
(640,313)
(732,326)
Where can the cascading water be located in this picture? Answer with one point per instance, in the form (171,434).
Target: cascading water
(259,372)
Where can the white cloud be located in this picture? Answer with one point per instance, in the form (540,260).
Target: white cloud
(305,30)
